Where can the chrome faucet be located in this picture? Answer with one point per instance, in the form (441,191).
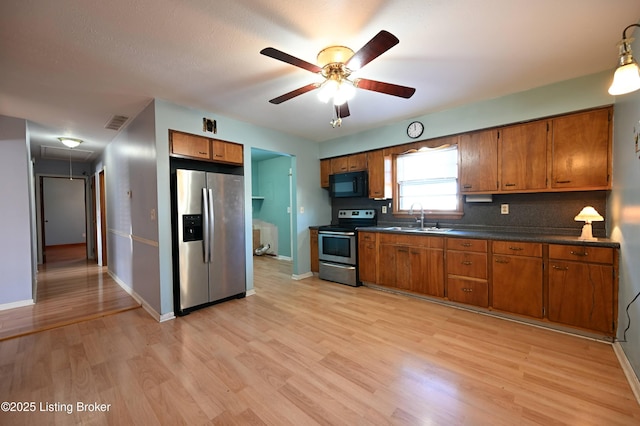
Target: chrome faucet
(421,213)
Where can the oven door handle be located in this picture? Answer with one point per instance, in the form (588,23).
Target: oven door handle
(337,233)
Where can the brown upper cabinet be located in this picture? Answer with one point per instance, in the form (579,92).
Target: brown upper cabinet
(186,145)
(325,171)
(571,152)
(581,150)
(375,169)
(226,152)
(522,156)
(349,163)
(479,161)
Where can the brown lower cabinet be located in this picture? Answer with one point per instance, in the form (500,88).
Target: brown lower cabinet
(313,248)
(570,285)
(467,272)
(410,262)
(517,278)
(582,290)
(367,252)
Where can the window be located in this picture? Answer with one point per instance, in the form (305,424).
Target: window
(428,178)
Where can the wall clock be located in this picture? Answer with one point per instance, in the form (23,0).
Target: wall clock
(415,129)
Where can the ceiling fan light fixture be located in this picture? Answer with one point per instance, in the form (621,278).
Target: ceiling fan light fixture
(334,54)
(345,92)
(626,78)
(70,142)
(327,90)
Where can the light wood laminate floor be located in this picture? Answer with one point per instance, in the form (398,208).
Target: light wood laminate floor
(70,289)
(313,352)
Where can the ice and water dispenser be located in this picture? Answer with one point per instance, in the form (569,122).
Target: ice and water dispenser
(191,227)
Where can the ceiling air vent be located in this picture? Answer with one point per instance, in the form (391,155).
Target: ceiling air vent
(116,122)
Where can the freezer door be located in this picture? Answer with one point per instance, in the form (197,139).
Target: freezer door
(193,271)
(227,268)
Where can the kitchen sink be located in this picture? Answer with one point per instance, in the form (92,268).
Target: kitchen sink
(410,229)
(431,229)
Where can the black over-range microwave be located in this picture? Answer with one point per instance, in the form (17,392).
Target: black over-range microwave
(352,184)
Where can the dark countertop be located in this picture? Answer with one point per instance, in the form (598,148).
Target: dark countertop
(501,235)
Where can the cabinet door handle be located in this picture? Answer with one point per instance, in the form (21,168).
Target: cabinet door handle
(202,153)
(502,261)
(560,268)
(467,290)
(563,181)
(509,184)
(465,244)
(577,253)
(467,185)
(516,248)
(403,250)
(466,262)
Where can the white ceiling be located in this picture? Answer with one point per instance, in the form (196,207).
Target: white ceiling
(68,66)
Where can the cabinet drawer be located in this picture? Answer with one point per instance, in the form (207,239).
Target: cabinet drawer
(472,265)
(516,248)
(367,236)
(469,291)
(581,253)
(467,244)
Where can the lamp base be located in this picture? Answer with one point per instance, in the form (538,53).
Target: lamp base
(587,234)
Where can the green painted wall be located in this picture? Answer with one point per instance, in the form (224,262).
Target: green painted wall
(271,181)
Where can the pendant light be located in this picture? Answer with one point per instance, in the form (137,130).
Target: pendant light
(70,143)
(626,78)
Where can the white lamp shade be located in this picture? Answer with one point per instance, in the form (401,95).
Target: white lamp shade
(588,214)
(70,142)
(327,90)
(345,92)
(625,80)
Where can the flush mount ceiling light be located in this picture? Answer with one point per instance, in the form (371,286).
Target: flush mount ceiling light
(627,76)
(70,142)
(588,215)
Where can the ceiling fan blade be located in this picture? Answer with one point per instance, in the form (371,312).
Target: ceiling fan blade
(387,88)
(294,93)
(285,57)
(342,111)
(379,44)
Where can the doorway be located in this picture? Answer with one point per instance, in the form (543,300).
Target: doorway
(272,201)
(63,213)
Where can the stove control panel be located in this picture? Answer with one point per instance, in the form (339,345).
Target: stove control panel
(357,214)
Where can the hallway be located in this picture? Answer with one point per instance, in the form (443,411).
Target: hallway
(71,289)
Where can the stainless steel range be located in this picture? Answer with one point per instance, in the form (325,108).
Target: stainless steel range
(337,246)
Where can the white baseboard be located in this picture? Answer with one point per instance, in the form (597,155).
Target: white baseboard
(302,276)
(150,310)
(628,370)
(287,258)
(18,304)
(251,292)
(167,317)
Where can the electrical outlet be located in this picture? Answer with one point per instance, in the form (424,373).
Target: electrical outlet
(504,209)
(384,209)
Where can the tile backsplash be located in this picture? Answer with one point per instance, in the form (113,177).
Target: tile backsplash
(543,213)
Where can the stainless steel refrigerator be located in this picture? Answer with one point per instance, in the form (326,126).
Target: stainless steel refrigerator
(210,234)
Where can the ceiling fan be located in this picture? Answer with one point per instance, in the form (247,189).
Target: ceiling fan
(335,64)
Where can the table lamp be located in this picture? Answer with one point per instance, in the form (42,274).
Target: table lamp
(588,215)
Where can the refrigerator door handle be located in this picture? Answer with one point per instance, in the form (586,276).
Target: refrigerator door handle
(205,235)
(212,220)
